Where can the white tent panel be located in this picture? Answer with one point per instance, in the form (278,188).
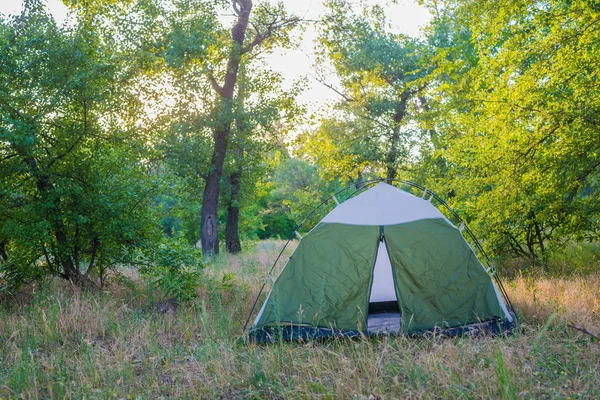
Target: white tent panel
(502,303)
(383,204)
(383,279)
(262,309)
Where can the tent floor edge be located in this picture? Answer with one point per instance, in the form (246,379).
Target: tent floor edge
(493,327)
(295,333)
(266,335)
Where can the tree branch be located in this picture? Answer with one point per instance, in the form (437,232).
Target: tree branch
(214,83)
(343,95)
(236,7)
(76,141)
(91,265)
(8,157)
(590,170)
(272,29)
(584,331)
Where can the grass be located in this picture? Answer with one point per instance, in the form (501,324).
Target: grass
(62,342)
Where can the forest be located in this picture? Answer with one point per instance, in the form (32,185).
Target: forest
(153,164)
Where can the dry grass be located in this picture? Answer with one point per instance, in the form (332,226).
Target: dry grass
(61,342)
(575,300)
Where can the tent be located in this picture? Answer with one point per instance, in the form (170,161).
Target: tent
(384,261)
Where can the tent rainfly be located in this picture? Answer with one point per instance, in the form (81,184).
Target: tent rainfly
(384,261)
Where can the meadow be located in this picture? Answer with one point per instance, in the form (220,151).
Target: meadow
(61,341)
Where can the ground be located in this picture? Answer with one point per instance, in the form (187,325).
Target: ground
(62,342)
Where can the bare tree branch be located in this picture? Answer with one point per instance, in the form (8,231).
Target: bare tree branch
(272,29)
(583,330)
(343,95)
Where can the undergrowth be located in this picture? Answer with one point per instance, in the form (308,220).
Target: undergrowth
(61,342)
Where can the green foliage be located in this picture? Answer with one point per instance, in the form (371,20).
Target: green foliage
(494,110)
(298,188)
(74,194)
(571,260)
(343,150)
(507,390)
(579,259)
(383,75)
(175,268)
(107,124)
(275,220)
(264,114)
(191,57)
(516,108)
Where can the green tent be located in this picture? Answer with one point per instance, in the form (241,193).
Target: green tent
(384,261)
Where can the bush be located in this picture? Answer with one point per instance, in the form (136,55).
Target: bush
(580,259)
(175,268)
(74,189)
(572,259)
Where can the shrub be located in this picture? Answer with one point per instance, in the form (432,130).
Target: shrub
(175,268)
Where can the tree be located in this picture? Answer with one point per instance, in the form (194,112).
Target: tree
(381,73)
(261,122)
(204,60)
(342,149)
(73,192)
(223,120)
(517,111)
(270,25)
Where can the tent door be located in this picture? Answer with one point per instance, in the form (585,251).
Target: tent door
(384,312)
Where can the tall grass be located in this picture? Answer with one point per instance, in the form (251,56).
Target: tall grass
(61,342)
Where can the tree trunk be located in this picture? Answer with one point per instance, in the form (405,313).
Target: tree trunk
(399,114)
(69,270)
(3,254)
(232,233)
(432,132)
(209,232)
(538,232)
(390,162)
(232,237)
(208,229)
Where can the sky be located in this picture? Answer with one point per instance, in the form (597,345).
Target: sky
(405,17)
